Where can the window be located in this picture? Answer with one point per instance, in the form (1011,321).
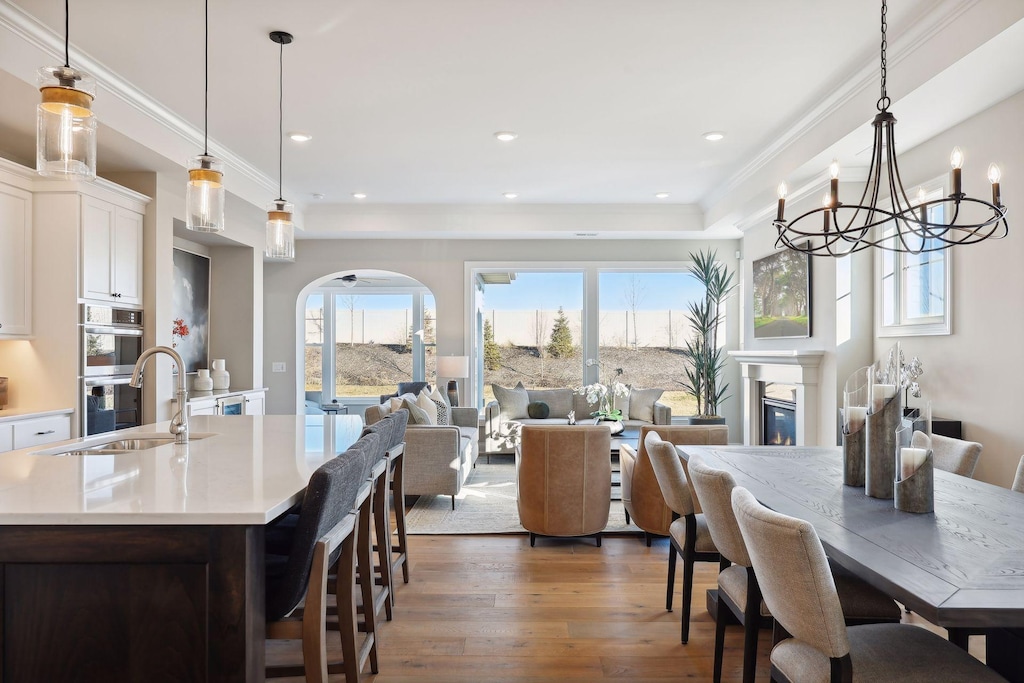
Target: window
(914,291)
(540,326)
(530,329)
(380,336)
(643,329)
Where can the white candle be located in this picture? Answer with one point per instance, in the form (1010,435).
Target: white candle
(855,416)
(910,460)
(880,393)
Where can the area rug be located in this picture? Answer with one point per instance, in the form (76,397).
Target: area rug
(487,505)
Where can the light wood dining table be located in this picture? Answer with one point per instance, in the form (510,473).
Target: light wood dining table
(960,567)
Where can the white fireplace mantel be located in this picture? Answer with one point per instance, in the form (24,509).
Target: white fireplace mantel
(796,367)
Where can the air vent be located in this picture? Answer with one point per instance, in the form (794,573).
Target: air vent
(586,234)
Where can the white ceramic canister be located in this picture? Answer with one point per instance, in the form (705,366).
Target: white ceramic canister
(203,381)
(221,377)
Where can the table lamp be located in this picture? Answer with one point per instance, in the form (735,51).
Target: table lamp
(453,367)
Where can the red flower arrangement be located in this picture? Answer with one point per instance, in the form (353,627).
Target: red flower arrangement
(180,330)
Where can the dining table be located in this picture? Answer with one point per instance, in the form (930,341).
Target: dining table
(960,567)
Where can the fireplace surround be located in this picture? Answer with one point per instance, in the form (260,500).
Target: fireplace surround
(798,368)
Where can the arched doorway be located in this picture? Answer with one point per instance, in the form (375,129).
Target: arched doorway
(362,332)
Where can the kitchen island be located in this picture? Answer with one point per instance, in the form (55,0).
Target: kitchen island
(148,564)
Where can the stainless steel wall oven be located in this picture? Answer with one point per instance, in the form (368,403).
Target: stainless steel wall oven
(111,344)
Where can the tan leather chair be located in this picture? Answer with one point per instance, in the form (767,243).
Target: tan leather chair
(949,454)
(641,496)
(815,643)
(564,475)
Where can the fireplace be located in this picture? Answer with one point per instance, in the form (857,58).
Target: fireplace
(789,378)
(778,420)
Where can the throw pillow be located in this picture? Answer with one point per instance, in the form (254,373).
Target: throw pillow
(385,408)
(429,407)
(444,411)
(436,394)
(513,402)
(641,403)
(622,402)
(538,410)
(396,403)
(559,400)
(417,415)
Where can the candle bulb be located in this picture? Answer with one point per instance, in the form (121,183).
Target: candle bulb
(855,417)
(826,202)
(993,177)
(956,160)
(782,202)
(920,203)
(833,170)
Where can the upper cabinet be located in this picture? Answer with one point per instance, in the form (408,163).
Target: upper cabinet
(111,252)
(15,261)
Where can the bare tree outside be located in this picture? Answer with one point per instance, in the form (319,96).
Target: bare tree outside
(349,301)
(633,296)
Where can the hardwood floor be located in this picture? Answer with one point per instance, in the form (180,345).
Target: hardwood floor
(491,608)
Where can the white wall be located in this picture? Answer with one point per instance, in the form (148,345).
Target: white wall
(975,374)
(440,265)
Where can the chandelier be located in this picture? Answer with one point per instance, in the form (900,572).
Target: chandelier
(280,229)
(885,217)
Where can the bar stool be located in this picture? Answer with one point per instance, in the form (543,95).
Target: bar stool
(396,459)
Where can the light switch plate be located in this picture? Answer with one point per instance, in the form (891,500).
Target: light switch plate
(278,367)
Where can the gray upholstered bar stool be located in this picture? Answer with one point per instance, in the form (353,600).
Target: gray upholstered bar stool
(399,551)
(688,534)
(738,590)
(1018,479)
(374,516)
(323,537)
(798,587)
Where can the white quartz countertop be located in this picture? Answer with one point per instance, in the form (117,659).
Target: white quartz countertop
(248,471)
(14,415)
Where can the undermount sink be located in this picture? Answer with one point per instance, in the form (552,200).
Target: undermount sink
(122,445)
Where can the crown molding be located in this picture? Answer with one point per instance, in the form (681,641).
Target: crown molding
(37,35)
(916,36)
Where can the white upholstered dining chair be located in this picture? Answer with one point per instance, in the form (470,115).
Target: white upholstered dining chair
(797,586)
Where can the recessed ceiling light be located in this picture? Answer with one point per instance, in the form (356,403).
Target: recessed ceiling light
(359,195)
(714,135)
(510,195)
(506,135)
(662,195)
(318,195)
(299,136)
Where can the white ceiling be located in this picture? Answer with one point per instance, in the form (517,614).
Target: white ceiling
(610,97)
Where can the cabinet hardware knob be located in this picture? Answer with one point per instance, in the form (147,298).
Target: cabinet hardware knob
(48,431)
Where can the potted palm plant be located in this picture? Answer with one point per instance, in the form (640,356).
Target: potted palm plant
(706,360)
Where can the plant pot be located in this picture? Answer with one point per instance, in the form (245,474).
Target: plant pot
(706,420)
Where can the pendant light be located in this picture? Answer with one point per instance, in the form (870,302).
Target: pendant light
(884,217)
(65,125)
(280,229)
(204,196)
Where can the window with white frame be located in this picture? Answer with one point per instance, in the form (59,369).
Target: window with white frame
(914,289)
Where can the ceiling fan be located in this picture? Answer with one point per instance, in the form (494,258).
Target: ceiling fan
(351,279)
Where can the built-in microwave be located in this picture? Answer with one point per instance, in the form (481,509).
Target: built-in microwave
(111,340)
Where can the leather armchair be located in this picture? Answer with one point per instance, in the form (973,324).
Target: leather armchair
(641,496)
(564,475)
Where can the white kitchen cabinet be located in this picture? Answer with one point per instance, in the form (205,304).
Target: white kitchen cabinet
(254,403)
(202,406)
(15,262)
(38,431)
(6,437)
(111,252)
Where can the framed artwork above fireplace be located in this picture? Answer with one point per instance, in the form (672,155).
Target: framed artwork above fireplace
(782,295)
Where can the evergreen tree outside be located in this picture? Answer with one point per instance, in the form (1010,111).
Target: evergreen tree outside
(561,345)
(492,352)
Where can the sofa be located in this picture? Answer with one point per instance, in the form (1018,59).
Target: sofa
(438,458)
(503,423)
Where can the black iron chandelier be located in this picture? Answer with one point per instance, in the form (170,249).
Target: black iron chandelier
(890,220)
